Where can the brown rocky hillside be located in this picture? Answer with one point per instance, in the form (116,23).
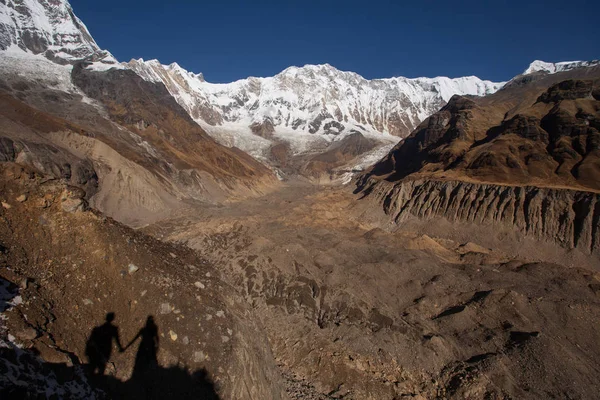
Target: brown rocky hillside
(130,146)
(527,156)
(71,266)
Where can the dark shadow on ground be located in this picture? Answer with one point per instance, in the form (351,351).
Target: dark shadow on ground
(8,291)
(24,375)
(98,348)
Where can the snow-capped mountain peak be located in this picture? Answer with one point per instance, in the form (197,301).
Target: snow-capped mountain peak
(48,27)
(552,68)
(313,98)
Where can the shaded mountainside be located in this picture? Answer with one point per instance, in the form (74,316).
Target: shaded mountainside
(538,139)
(70,267)
(125,141)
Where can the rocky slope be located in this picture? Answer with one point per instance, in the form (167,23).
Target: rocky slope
(355,312)
(65,267)
(135,152)
(71,112)
(510,158)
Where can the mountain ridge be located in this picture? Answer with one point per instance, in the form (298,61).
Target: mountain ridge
(298,112)
(325,85)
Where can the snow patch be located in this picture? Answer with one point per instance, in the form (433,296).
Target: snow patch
(552,68)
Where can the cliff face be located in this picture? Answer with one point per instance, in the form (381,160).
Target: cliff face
(526,157)
(568,217)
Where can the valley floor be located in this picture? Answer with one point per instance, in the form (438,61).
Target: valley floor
(305,291)
(356,308)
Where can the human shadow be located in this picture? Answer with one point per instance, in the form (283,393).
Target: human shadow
(149,381)
(32,377)
(99,345)
(146,357)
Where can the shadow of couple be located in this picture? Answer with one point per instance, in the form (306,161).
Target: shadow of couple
(100,344)
(148,379)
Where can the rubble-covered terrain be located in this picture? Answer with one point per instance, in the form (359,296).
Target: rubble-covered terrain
(144,255)
(67,266)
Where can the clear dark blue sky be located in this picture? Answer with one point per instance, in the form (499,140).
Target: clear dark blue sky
(228,40)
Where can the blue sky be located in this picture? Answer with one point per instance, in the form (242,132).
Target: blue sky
(229,40)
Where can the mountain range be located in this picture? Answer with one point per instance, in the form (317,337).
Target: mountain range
(282,120)
(311,235)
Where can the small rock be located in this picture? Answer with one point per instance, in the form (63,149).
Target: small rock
(132,269)
(6,205)
(173,255)
(225,339)
(42,220)
(87,302)
(165,308)
(209,317)
(220,314)
(186,340)
(199,356)
(144,293)
(172,335)
(73,205)
(27,334)
(199,285)
(22,198)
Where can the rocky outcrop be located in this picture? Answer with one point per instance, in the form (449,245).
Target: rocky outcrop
(568,217)
(52,161)
(568,90)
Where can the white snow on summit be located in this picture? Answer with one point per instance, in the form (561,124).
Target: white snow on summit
(47,27)
(318,99)
(552,68)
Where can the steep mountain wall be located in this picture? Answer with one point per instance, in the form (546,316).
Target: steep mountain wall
(568,217)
